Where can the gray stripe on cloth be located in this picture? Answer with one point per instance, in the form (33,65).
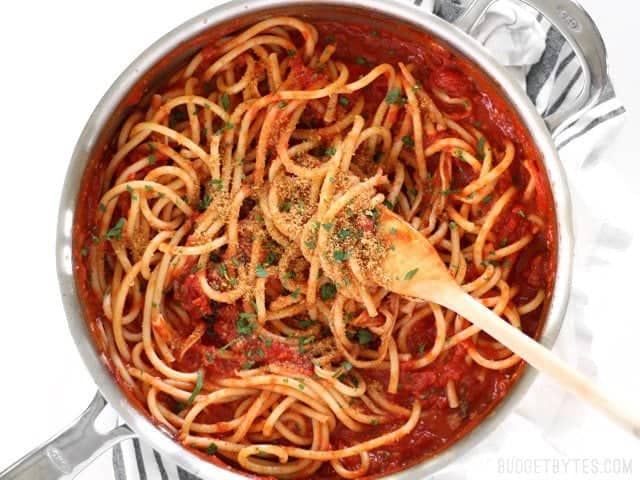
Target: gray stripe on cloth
(184,475)
(539,73)
(594,123)
(118,463)
(163,471)
(449,9)
(139,461)
(563,96)
(565,62)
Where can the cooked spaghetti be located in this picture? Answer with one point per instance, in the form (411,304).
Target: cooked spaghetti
(219,249)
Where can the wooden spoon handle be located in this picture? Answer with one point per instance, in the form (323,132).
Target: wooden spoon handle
(540,358)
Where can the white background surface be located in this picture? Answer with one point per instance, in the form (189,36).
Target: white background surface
(58,58)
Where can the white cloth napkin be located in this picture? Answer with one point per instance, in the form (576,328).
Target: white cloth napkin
(514,37)
(548,434)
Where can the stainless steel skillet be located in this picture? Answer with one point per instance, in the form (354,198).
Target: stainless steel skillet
(64,455)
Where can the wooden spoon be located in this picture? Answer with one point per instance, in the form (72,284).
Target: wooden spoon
(413,268)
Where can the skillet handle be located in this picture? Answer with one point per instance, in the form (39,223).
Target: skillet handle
(69,452)
(575,24)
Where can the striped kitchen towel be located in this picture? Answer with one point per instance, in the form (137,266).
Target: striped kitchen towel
(540,58)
